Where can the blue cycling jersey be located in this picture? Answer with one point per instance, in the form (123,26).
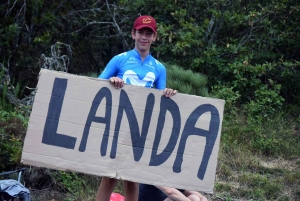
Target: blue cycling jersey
(130,67)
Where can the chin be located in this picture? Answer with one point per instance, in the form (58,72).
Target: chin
(144,48)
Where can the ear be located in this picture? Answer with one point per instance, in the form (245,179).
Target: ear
(154,37)
(133,34)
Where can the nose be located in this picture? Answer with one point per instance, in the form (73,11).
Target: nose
(144,35)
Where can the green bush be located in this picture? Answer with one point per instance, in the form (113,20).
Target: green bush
(272,136)
(267,102)
(228,94)
(12,131)
(69,181)
(186,81)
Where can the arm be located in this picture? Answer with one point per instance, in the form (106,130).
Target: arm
(161,83)
(111,69)
(110,72)
(188,193)
(173,193)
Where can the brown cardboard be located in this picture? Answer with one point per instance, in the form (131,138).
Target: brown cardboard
(72,122)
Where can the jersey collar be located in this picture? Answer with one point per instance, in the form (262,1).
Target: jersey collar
(137,54)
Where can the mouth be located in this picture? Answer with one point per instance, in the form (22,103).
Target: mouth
(144,42)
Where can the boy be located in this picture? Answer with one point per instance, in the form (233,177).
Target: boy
(139,68)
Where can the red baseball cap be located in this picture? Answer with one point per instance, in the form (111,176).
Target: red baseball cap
(145,21)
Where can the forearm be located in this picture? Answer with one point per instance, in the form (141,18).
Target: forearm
(202,197)
(172,193)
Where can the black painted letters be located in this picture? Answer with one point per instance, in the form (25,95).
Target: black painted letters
(50,135)
(190,129)
(138,137)
(166,104)
(102,93)
(138,140)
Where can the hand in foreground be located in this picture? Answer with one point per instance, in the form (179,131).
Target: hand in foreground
(117,82)
(169,92)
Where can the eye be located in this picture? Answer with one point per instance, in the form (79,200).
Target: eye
(149,33)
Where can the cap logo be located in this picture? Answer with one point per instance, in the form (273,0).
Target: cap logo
(147,20)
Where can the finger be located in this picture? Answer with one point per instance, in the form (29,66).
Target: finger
(174,92)
(111,80)
(114,82)
(168,92)
(120,83)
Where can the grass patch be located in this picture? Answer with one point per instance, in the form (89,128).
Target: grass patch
(270,171)
(259,160)
(236,157)
(292,178)
(284,198)
(225,171)
(255,193)
(222,187)
(270,137)
(260,187)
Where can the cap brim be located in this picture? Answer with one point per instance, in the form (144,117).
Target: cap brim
(145,26)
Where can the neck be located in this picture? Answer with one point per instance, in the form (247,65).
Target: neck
(143,54)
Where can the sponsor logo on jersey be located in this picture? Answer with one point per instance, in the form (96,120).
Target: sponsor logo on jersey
(132,62)
(131,77)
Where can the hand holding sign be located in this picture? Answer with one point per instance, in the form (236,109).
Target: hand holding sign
(117,82)
(168,92)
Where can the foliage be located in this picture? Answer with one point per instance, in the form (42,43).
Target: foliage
(234,43)
(228,94)
(274,137)
(244,45)
(267,103)
(12,132)
(70,181)
(3,102)
(185,81)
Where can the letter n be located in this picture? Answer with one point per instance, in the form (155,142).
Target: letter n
(138,139)
(166,104)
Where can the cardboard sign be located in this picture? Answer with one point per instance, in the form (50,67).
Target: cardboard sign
(85,125)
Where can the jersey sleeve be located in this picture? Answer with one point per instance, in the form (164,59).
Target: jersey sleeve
(162,79)
(111,69)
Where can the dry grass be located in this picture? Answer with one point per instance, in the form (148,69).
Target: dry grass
(243,175)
